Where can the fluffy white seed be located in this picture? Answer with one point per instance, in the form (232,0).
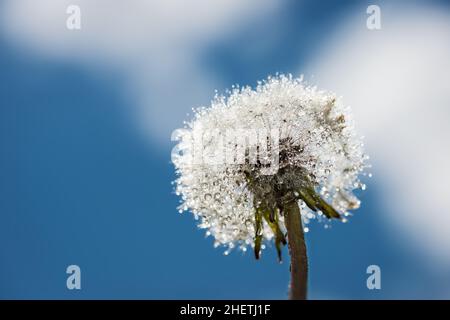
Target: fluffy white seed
(316,141)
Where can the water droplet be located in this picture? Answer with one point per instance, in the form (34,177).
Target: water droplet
(208,196)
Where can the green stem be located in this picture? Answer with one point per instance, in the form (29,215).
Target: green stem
(297,251)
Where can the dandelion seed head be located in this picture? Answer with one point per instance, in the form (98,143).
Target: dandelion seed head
(317,149)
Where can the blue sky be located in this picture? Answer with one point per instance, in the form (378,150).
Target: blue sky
(81,182)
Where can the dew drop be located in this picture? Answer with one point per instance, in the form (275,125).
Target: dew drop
(208,196)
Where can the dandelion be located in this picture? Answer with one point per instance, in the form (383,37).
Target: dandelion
(248,163)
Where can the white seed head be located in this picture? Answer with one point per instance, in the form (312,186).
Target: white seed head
(295,141)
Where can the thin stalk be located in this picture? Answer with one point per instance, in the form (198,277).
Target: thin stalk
(297,251)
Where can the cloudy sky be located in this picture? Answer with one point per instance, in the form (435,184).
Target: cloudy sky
(87,116)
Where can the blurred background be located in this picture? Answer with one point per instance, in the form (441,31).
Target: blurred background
(86,117)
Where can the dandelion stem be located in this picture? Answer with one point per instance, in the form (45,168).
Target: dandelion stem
(297,251)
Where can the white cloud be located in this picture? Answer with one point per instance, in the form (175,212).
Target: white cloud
(397,81)
(155,43)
